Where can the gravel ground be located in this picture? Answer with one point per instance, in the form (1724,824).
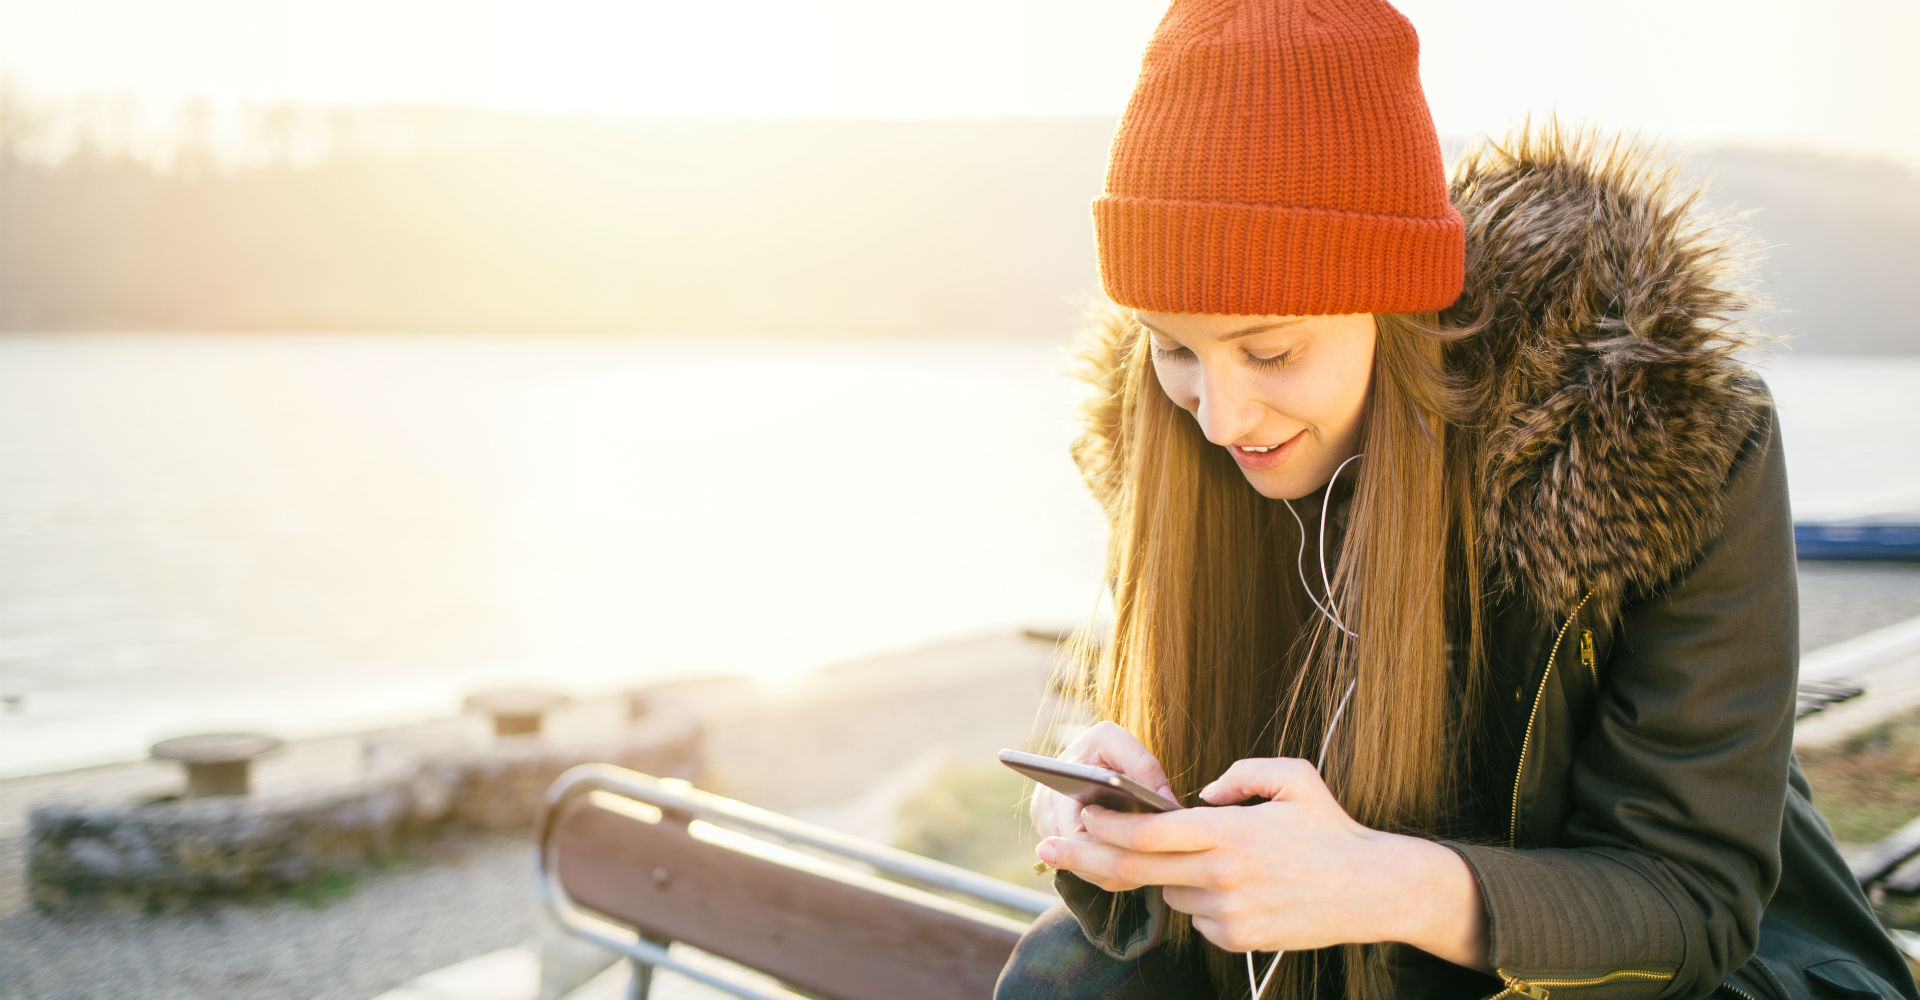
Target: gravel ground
(474,896)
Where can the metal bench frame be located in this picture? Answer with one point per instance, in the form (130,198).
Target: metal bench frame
(678,800)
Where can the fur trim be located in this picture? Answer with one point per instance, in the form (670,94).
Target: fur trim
(1616,403)
(1613,403)
(1104,343)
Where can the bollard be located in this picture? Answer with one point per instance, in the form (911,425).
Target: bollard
(216,763)
(515,711)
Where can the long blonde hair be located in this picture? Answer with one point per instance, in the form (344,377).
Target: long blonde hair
(1217,654)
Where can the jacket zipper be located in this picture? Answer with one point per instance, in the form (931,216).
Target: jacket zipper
(1537,988)
(1518,988)
(1737,990)
(1526,741)
(1586,656)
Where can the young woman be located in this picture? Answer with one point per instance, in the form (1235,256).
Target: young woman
(1451,559)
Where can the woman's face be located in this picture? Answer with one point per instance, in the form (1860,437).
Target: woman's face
(1298,383)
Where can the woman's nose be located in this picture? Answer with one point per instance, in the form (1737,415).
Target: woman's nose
(1226,414)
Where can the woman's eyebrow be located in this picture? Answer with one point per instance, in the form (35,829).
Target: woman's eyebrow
(1248,332)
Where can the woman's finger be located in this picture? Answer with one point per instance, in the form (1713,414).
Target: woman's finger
(1185,830)
(1264,777)
(1054,814)
(1109,867)
(1110,745)
(1193,900)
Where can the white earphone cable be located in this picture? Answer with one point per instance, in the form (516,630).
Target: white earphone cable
(1327,587)
(1259,987)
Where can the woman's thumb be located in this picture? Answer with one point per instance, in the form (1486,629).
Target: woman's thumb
(1265,777)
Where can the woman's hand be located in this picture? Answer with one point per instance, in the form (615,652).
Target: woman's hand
(1294,872)
(1109,745)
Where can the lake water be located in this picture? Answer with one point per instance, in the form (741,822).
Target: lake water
(307,533)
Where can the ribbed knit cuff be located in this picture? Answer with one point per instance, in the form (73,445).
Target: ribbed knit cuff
(1533,896)
(1265,260)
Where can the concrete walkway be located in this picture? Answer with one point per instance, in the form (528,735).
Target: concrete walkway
(1885,662)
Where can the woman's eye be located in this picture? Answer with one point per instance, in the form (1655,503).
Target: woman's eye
(1169,353)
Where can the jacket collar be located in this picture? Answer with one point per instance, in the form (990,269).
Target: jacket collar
(1610,395)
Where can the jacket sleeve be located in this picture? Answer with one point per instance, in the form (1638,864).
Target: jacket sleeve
(1139,925)
(1672,846)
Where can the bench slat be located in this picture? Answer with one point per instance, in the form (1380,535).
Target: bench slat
(835,936)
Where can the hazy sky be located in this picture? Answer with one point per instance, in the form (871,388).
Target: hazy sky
(1834,76)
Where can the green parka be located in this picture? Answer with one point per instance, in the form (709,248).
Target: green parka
(1654,835)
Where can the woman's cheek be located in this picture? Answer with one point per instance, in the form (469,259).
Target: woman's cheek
(1175,385)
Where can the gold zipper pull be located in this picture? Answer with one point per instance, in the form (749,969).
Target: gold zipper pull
(1524,989)
(1586,654)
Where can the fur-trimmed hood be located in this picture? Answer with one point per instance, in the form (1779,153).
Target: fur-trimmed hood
(1614,402)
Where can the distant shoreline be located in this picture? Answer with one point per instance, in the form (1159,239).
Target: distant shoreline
(870,226)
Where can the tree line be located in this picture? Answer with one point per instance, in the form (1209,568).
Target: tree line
(433,217)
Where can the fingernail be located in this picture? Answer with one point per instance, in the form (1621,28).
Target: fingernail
(1046,851)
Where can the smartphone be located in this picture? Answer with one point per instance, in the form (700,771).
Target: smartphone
(1088,784)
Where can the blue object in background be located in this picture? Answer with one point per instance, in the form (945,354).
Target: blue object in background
(1890,539)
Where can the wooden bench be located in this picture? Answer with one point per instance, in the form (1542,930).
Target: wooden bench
(633,863)
(1812,696)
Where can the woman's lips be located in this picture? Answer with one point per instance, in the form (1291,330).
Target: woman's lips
(1270,459)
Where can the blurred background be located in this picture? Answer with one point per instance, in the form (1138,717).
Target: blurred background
(357,357)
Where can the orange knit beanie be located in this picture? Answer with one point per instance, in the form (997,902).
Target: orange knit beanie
(1277,158)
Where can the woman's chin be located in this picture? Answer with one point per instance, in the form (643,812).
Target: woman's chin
(1274,484)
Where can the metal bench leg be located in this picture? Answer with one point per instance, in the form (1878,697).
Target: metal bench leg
(641,982)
